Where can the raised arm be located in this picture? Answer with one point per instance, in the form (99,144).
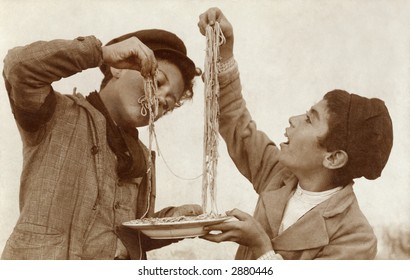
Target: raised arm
(30,70)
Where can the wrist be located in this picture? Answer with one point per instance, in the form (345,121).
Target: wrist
(104,53)
(226,64)
(270,255)
(226,50)
(264,247)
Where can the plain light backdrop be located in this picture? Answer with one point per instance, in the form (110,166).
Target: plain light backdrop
(290,53)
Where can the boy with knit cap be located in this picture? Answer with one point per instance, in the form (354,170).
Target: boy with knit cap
(306,208)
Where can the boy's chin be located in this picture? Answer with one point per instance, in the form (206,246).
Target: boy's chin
(283,145)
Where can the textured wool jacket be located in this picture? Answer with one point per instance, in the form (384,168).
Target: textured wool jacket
(334,229)
(69,182)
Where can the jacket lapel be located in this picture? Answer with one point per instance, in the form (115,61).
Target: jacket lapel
(274,203)
(308,232)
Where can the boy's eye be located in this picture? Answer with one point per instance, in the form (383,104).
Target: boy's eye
(160,79)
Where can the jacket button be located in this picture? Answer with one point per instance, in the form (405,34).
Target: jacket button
(94,150)
(117,205)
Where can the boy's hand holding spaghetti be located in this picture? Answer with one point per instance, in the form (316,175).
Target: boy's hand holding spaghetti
(131,54)
(210,17)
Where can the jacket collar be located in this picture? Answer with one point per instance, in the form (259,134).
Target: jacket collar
(299,236)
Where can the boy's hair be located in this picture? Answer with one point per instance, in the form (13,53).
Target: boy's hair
(361,127)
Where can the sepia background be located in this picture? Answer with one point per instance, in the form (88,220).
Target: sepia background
(290,53)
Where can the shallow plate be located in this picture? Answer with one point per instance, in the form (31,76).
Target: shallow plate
(163,229)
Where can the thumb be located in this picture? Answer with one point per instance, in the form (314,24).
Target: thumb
(240,215)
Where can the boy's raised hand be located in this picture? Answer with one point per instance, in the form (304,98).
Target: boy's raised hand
(211,16)
(131,54)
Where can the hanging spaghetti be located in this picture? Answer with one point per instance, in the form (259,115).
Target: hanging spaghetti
(150,88)
(214,38)
(149,106)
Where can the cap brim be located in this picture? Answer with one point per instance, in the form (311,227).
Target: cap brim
(184,63)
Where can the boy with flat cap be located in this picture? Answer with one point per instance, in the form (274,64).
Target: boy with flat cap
(306,208)
(85,171)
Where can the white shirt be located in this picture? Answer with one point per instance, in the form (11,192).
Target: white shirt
(301,202)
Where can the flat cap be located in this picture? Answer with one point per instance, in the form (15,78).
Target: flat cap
(164,44)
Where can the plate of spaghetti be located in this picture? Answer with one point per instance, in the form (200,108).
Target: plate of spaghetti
(176,227)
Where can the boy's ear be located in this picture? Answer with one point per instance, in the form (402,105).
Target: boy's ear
(336,159)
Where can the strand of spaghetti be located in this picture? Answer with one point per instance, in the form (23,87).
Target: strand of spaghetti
(166,163)
(214,38)
(147,101)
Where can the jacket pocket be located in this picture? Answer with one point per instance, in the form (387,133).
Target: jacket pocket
(31,241)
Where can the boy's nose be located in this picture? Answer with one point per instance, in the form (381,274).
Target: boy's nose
(292,121)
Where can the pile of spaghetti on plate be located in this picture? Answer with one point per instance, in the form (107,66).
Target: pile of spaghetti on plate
(167,220)
(176,227)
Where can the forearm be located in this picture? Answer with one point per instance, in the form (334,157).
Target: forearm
(29,71)
(252,151)
(234,116)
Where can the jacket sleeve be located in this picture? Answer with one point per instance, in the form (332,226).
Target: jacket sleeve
(253,153)
(30,70)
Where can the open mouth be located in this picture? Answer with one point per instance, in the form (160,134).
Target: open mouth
(285,143)
(287,137)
